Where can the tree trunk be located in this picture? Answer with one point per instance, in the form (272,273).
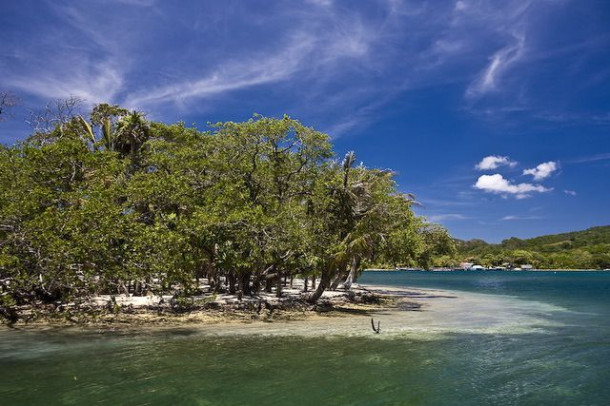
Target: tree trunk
(240,284)
(278,292)
(244,284)
(313,281)
(256,284)
(305,281)
(231,280)
(340,278)
(353,273)
(212,276)
(324,282)
(268,281)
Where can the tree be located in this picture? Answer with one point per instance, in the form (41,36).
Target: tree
(110,202)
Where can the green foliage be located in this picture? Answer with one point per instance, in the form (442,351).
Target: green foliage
(588,249)
(97,205)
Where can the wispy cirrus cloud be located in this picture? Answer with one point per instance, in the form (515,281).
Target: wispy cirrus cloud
(139,3)
(500,62)
(325,59)
(70,58)
(517,218)
(308,49)
(591,158)
(321,3)
(239,74)
(435,218)
(100,84)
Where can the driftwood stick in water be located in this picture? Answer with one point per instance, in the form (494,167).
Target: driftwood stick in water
(378,329)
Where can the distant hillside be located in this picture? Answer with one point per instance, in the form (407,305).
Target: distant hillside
(579,249)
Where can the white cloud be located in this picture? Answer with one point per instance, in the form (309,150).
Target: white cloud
(443,217)
(231,76)
(592,158)
(319,60)
(87,64)
(94,85)
(139,3)
(305,50)
(570,192)
(542,171)
(499,185)
(493,162)
(499,64)
(321,3)
(513,218)
(460,5)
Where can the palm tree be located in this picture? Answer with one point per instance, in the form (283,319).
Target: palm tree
(366,217)
(131,133)
(352,202)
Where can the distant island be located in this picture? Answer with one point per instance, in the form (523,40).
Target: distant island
(578,250)
(587,249)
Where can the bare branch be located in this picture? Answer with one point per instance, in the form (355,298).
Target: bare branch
(7,101)
(57,112)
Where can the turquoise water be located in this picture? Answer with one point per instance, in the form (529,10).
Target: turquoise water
(556,351)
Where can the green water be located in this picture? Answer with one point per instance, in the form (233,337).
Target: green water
(550,346)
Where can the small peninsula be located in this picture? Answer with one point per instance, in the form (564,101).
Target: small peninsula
(111,205)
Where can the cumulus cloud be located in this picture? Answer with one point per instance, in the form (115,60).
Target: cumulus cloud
(542,171)
(499,185)
(493,162)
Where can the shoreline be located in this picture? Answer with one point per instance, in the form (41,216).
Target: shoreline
(124,312)
(417,313)
(128,311)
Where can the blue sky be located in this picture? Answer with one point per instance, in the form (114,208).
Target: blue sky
(495,114)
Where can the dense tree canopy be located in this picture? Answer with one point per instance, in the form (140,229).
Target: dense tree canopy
(99,202)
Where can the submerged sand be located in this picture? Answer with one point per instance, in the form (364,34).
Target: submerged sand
(441,312)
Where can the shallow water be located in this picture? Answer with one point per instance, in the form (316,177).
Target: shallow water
(507,338)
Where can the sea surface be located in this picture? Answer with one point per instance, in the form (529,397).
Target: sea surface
(481,338)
